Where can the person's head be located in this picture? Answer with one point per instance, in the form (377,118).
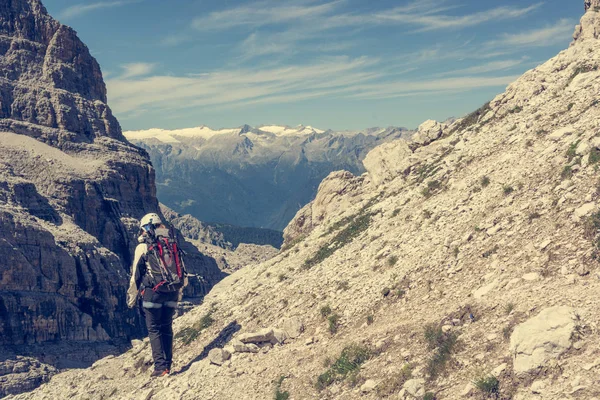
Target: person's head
(149,222)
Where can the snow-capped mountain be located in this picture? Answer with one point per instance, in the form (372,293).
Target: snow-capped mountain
(252,176)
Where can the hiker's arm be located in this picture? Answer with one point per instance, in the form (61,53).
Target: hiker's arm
(136,275)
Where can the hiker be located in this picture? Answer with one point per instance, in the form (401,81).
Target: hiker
(158,275)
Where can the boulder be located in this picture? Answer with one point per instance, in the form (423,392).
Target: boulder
(415,387)
(218,356)
(542,338)
(428,132)
(263,335)
(293,327)
(388,161)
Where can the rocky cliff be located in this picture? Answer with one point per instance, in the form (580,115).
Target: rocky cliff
(465,268)
(71,190)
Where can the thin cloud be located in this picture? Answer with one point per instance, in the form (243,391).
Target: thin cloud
(547,36)
(337,77)
(492,66)
(80,9)
(136,69)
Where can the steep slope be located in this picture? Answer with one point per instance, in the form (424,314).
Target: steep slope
(489,233)
(256,177)
(71,189)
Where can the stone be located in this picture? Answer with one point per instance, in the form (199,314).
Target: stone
(499,369)
(218,356)
(532,277)
(584,211)
(538,387)
(279,336)
(240,347)
(427,132)
(561,133)
(388,161)
(264,335)
(542,338)
(415,387)
(483,291)
(293,327)
(369,386)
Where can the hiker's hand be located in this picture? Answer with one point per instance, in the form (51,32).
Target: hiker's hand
(131,299)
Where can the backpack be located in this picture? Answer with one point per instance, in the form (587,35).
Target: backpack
(164,261)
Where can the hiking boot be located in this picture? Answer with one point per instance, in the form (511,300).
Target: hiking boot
(159,373)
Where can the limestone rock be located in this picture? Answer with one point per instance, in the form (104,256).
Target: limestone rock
(369,386)
(218,356)
(388,161)
(428,132)
(542,338)
(264,335)
(415,387)
(293,327)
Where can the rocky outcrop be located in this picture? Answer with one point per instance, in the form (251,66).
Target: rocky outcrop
(542,338)
(326,204)
(71,192)
(589,27)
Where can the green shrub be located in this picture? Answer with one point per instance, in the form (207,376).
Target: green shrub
(485,181)
(508,189)
(472,118)
(279,395)
(567,172)
(572,151)
(394,383)
(429,396)
(443,344)
(350,360)
(594,156)
(325,311)
(392,261)
(191,333)
(370,319)
(358,225)
(516,110)
(488,385)
(509,308)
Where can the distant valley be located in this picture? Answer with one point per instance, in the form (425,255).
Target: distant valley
(252,176)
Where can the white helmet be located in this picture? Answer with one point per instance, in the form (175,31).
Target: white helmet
(151,218)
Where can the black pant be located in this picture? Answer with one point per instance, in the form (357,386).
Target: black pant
(159,309)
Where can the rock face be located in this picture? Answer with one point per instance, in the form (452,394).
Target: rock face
(542,338)
(589,27)
(71,191)
(256,177)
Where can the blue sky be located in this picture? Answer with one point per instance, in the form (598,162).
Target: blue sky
(339,64)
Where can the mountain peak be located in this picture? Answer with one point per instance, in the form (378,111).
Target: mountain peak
(51,78)
(589,26)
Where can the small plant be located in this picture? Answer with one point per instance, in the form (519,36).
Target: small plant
(528,143)
(570,106)
(392,261)
(343,285)
(507,189)
(490,252)
(325,311)
(572,151)
(516,110)
(567,172)
(594,156)
(396,212)
(514,127)
(443,344)
(394,383)
(509,308)
(334,323)
(427,214)
(349,362)
(533,215)
(279,395)
(455,251)
(282,277)
(485,181)
(472,118)
(191,333)
(370,319)
(488,385)
(429,396)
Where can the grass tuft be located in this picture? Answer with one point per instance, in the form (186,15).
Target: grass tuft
(489,386)
(349,362)
(191,333)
